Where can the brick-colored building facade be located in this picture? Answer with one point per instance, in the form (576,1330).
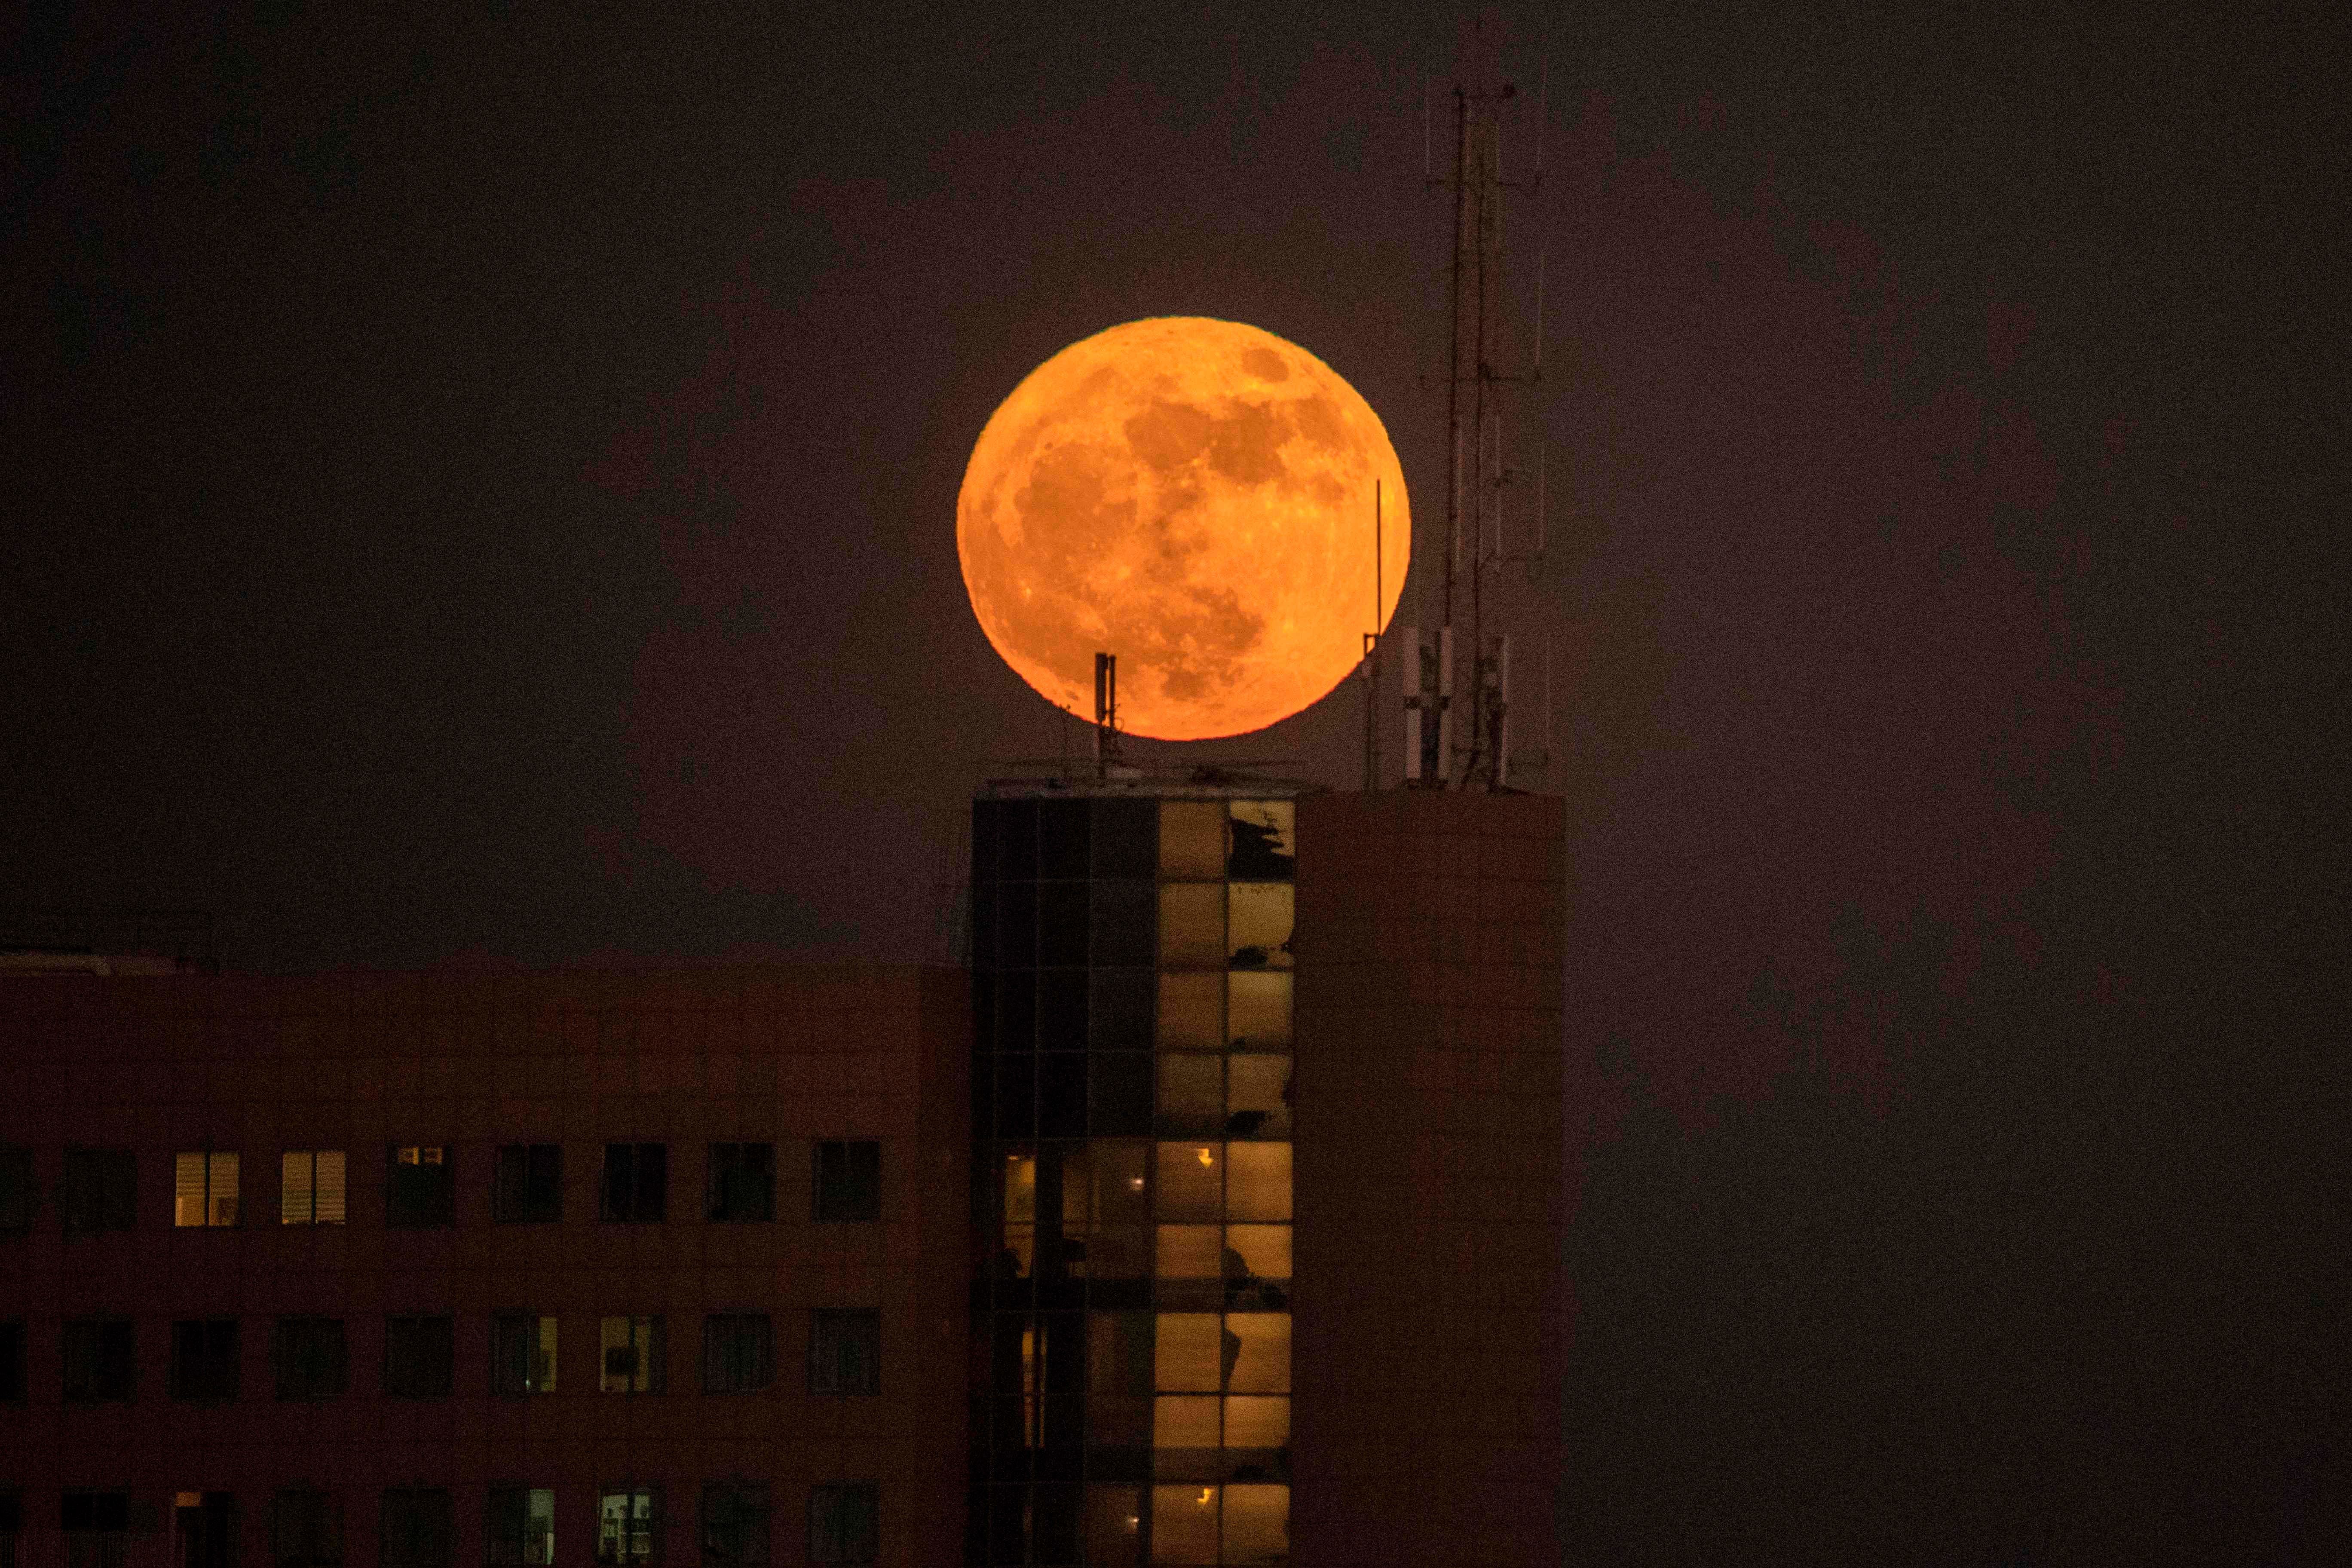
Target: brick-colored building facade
(780,1264)
(810,1365)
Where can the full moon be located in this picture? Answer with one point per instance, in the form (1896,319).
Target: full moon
(1195,496)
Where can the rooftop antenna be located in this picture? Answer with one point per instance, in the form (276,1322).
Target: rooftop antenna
(1472,748)
(1107,757)
(1372,654)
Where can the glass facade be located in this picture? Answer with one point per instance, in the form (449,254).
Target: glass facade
(1131,961)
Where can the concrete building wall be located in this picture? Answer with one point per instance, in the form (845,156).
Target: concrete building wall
(1428,1126)
(366,1062)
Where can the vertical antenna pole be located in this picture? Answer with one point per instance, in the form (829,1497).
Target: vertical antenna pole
(1372,658)
(1106,713)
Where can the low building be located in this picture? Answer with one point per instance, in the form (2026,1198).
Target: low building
(629,1266)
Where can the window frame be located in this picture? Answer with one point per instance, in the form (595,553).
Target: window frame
(525,1495)
(734,1493)
(715,1341)
(400,1211)
(652,1369)
(542,1343)
(16,1362)
(208,1198)
(829,1495)
(283,1362)
(100,1358)
(520,1200)
(723,1185)
(399,1325)
(656,1528)
(413,1552)
(99,1190)
(218,1374)
(342,1186)
(330,1516)
(831,1373)
(846,1195)
(20,1194)
(628,1190)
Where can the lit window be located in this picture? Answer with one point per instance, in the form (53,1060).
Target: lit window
(1193,840)
(310,1186)
(628,1526)
(522,1354)
(204,1189)
(1257,1524)
(631,1353)
(1263,834)
(1185,1524)
(1192,925)
(521,1527)
(205,1524)
(1258,921)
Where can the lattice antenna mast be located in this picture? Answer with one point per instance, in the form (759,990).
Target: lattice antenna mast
(1466,745)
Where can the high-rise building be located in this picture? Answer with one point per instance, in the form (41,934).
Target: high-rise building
(1266,1155)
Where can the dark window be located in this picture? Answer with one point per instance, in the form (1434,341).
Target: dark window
(739,1353)
(734,1523)
(842,1522)
(101,1191)
(415,1529)
(12,1524)
(628,1526)
(635,1189)
(522,1522)
(305,1529)
(310,1358)
(522,1354)
(204,1360)
(418,1353)
(848,1181)
(845,1351)
(419,1191)
(97,1528)
(12,1362)
(527,1187)
(16,1187)
(97,1360)
(206,1531)
(742,1181)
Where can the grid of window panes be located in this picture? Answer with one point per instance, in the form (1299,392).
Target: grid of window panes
(1132,985)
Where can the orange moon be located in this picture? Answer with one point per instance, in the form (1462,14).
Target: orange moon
(1194,495)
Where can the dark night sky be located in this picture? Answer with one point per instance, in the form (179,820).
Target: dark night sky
(483,488)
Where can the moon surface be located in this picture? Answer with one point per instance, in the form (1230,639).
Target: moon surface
(1196,497)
